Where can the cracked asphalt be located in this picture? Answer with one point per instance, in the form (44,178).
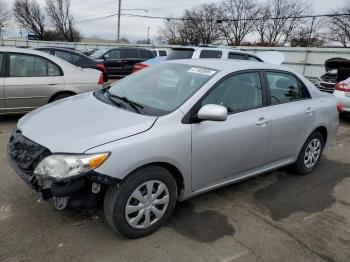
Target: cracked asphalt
(278,216)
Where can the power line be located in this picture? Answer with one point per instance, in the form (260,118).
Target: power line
(215,20)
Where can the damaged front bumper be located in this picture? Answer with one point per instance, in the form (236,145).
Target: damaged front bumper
(24,155)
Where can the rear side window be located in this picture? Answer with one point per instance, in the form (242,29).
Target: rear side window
(22,65)
(236,56)
(162,53)
(128,53)
(253,58)
(285,88)
(65,56)
(210,54)
(180,54)
(154,52)
(146,54)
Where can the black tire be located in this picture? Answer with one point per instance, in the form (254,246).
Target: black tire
(299,165)
(117,197)
(61,96)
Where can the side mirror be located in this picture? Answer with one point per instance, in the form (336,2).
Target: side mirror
(213,113)
(105,56)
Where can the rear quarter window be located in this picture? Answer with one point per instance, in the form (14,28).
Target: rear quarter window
(210,54)
(180,54)
(236,56)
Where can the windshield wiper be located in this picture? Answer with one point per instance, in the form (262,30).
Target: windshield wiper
(133,104)
(114,102)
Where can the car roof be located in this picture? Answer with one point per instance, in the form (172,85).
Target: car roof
(125,47)
(54,59)
(232,64)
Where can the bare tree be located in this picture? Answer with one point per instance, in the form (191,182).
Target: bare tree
(62,19)
(203,20)
(238,19)
(4,14)
(339,27)
(309,34)
(30,16)
(280,20)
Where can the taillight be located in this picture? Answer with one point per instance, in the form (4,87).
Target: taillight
(138,67)
(100,80)
(342,87)
(101,66)
(339,107)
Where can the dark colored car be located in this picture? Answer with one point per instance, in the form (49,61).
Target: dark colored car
(76,59)
(120,61)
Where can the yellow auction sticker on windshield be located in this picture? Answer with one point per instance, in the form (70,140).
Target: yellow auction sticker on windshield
(202,71)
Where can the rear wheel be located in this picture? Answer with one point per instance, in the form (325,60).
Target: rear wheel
(61,96)
(310,154)
(142,203)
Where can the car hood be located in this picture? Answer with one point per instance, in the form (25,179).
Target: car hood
(78,123)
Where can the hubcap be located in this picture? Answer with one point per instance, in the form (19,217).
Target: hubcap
(312,153)
(147,204)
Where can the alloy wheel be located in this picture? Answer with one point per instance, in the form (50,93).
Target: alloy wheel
(312,153)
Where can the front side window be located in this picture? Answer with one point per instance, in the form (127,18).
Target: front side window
(114,54)
(237,93)
(210,54)
(285,88)
(163,88)
(236,56)
(22,65)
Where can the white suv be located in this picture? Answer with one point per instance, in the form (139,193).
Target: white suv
(191,52)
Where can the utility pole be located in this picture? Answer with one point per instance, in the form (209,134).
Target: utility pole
(119,9)
(148,40)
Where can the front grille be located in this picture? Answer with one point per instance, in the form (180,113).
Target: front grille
(24,153)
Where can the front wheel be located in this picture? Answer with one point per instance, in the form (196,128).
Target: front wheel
(142,203)
(310,154)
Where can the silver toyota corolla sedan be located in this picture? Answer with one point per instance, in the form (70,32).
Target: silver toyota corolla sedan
(171,132)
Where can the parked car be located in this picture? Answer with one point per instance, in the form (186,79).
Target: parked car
(210,51)
(160,52)
(327,81)
(170,132)
(30,79)
(342,89)
(76,59)
(119,62)
(150,62)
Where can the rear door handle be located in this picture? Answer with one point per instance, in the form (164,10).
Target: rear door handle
(262,121)
(53,84)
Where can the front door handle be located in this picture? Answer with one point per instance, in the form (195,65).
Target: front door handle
(262,122)
(53,84)
(309,111)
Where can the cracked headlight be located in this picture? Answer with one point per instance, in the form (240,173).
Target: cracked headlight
(67,166)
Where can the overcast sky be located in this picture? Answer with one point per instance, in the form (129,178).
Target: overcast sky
(136,28)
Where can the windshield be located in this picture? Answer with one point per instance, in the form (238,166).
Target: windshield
(162,88)
(99,53)
(184,53)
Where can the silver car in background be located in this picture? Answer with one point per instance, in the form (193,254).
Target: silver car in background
(170,132)
(30,79)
